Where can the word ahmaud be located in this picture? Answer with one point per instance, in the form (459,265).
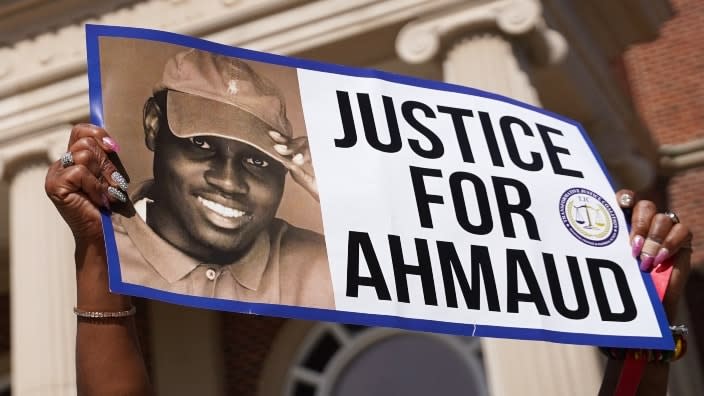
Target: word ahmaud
(474,264)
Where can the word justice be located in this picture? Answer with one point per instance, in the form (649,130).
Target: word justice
(434,147)
(472,268)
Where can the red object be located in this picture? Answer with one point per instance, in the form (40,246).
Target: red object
(632,370)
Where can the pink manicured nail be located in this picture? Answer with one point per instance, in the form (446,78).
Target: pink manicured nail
(110,142)
(637,245)
(661,256)
(646,262)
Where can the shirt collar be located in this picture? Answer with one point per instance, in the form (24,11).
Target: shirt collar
(173,265)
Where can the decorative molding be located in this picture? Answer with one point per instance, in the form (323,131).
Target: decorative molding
(422,40)
(499,69)
(42,107)
(322,22)
(45,146)
(30,18)
(284,26)
(580,72)
(60,52)
(45,83)
(676,158)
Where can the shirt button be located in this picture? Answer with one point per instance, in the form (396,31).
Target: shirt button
(210,274)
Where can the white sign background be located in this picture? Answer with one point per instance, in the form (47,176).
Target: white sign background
(363,189)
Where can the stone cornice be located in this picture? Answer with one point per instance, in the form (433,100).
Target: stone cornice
(422,40)
(284,26)
(45,146)
(43,82)
(54,55)
(582,74)
(317,23)
(30,18)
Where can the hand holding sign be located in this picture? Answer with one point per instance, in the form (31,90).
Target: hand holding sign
(673,250)
(660,241)
(86,179)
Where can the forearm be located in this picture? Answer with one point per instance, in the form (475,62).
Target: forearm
(108,357)
(653,382)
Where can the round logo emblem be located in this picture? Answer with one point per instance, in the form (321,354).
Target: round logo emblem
(588,217)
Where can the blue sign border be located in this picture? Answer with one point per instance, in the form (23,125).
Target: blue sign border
(94,32)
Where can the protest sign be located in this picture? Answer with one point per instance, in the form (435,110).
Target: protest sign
(441,207)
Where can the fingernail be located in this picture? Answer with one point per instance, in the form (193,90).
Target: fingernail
(117,194)
(626,200)
(281,148)
(106,202)
(637,245)
(646,262)
(110,142)
(298,159)
(663,253)
(274,134)
(120,180)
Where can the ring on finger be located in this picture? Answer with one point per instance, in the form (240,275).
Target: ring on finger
(672,216)
(66,159)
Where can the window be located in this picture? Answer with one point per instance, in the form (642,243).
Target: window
(347,360)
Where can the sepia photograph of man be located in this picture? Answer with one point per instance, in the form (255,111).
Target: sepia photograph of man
(206,220)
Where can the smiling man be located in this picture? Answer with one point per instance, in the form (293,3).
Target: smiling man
(206,223)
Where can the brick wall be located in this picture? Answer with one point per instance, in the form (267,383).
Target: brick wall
(666,79)
(667,83)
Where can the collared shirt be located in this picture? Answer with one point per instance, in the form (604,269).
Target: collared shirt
(285,265)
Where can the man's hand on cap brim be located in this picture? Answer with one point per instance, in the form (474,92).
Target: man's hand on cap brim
(298,161)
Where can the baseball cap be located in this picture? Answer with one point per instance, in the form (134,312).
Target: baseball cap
(216,95)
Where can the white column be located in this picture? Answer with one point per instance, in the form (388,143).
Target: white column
(488,61)
(504,39)
(43,291)
(42,277)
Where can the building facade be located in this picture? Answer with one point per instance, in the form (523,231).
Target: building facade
(565,56)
